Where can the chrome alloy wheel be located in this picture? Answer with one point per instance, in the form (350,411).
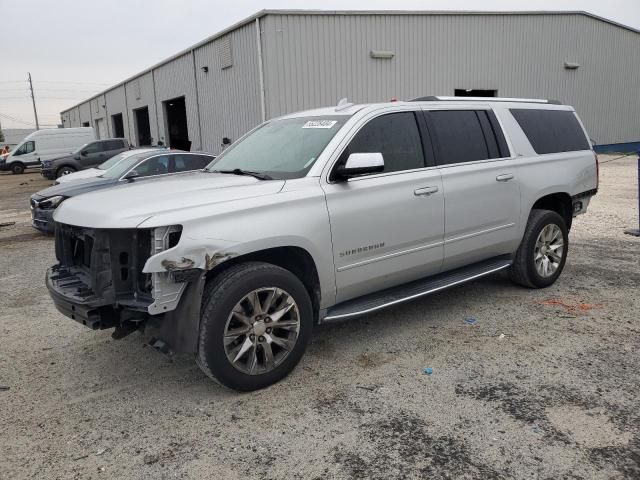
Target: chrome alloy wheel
(261,330)
(548,250)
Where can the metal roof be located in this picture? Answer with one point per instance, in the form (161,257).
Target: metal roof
(263,13)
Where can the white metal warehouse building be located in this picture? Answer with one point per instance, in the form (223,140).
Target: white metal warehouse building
(277,62)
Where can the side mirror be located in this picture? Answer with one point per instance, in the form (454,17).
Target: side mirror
(132,175)
(361,164)
(84,153)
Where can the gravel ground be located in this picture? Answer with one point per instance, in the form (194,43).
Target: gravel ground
(544,385)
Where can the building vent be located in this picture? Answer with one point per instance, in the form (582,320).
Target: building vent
(224,52)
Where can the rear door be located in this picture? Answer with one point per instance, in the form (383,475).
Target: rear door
(387,228)
(481,189)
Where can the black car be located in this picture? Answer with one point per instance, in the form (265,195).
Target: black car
(134,167)
(87,156)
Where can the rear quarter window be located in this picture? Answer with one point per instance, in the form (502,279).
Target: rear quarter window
(551,131)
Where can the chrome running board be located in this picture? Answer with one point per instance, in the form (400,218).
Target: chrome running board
(418,288)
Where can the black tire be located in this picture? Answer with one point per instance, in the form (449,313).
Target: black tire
(65,170)
(221,295)
(523,270)
(17,168)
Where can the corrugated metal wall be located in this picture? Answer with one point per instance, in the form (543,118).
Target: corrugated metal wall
(140,94)
(229,97)
(314,60)
(115,101)
(172,80)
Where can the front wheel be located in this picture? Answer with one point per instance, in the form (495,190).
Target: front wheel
(66,170)
(256,322)
(17,168)
(543,251)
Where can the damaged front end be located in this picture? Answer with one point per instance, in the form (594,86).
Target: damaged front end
(101,282)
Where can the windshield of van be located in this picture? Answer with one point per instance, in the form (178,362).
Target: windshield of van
(120,168)
(281,149)
(113,160)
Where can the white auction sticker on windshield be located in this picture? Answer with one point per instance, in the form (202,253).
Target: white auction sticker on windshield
(320,124)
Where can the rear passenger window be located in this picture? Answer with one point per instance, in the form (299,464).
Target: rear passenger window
(395,136)
(189,162)
(551,131)
(114,144)
(459,136)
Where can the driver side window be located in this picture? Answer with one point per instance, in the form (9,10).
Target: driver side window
(395,136)
(92,148)
(26,147)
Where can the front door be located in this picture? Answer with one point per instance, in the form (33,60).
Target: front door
(387,228)
(481,188)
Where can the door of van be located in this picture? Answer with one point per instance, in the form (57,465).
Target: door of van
(26,154)
(481,188)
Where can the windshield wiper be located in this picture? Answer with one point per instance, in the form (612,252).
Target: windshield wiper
(238,171)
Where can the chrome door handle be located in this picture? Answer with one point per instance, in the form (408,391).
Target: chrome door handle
(505,177)
(425,191)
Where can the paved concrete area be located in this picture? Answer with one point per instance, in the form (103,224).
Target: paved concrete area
(545,384)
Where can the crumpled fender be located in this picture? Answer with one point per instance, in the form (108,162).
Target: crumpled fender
(189,255)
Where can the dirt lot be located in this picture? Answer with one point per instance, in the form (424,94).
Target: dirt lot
(544,385)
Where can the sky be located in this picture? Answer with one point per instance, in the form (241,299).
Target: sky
(76,48)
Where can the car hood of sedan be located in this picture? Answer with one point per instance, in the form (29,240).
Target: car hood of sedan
(88,173)
(179,196)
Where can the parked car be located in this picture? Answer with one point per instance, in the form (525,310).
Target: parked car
(86,156)
(100,169)
(141,165)
(43,145)
(322,216)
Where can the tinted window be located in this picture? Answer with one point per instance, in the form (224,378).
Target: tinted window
(94,148)
(154,166)
(114,144)
(190,162)
(395,136)
(459,136)
(551,131)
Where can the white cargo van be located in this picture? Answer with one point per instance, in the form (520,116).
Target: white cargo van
(44,145)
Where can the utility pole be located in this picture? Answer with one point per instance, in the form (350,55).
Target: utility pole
(33,100)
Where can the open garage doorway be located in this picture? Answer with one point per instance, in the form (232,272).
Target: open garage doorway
(143,128)
(175,114)
(117,125)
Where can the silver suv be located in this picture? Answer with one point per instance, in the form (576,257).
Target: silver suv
(322,216)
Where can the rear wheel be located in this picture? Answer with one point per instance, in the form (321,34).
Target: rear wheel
(543,251)
(256,321)
(17,168)
(66,170)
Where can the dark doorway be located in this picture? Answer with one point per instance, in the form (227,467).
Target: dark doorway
(86,124)
(118,125)
(470,92)
(175,112)
(143,128)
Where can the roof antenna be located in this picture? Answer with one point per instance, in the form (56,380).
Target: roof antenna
(343,104)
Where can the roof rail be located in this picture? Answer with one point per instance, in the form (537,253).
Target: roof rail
(434,98)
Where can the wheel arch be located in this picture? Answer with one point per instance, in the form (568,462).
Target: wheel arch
(60,167)
(559,202)
(295,259)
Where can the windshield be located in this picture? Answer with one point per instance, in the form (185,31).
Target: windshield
(281,149)
(79,149)
(120,168)
(113,160)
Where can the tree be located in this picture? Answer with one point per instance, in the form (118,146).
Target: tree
(1,135)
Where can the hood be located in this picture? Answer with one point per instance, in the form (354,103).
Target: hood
(87,173)
(71,189)
(61,158)
(128,205)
